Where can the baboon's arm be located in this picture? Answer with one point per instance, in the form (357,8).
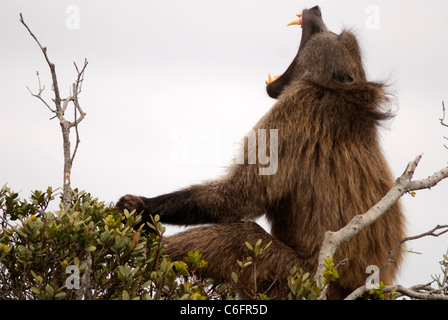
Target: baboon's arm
(213,202)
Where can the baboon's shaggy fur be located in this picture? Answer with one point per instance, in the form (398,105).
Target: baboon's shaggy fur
(330,168)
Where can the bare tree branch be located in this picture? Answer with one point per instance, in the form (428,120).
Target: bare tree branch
(414,291)
(85,291)
(61,106)
(431,233)
(77,137)
(417,292)
(57,99)
(39,94)
(429,182)
(442,120)
(332,240)
(420,291)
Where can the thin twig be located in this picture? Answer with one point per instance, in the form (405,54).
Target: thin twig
(430,233)
(39,94)
(77,87)
(442,120)
(77,140)
(57,99)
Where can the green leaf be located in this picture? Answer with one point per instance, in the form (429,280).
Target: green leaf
(235,277)
(163,265)
(305,276)
(33,274)
(35,290)
(249,246)
(60,295)
(124,271)
(268,245)
(160,227)
(125,295)
(36,277)
(90,248)
(293,288)
(247,263)
(49,289)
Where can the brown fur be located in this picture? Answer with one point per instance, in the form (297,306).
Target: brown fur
(223,244)
(330,168)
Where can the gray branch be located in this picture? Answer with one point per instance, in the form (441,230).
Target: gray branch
(425,292)
(420,291)
(61,106)
(332,240)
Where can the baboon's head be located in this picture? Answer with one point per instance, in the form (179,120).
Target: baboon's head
(324,58)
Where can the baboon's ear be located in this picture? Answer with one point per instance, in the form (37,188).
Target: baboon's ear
(342,77)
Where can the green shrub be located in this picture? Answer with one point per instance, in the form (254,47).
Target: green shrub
(38,248)
(90,251)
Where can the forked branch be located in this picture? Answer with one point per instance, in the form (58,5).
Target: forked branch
(419,291)
(59,110)
(425,292)
(332,240)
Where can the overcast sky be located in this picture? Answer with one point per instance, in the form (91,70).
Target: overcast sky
(172,86)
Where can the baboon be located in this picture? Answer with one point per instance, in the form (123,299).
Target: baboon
(330,168)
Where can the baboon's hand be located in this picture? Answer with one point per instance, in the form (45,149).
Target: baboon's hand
(130,203)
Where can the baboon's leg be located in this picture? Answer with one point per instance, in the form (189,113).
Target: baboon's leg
(222,245)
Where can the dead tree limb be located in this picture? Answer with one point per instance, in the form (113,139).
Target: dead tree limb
(61,105)
(431,233)
(418,291)
(442,121)
(404,184)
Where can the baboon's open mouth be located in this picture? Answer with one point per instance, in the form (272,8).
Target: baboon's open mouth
(297,21)
(311,23)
